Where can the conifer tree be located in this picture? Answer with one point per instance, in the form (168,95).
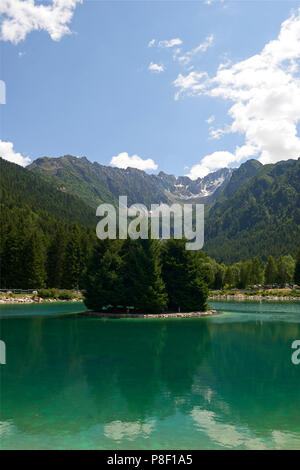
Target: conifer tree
(55,259)
(102,281)
(73,262)
(11,261)
(183,278)
(34,261)
(143,286)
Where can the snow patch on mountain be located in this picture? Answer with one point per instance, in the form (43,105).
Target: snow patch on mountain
(183,188)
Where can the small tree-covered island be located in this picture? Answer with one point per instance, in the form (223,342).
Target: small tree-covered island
(144,276)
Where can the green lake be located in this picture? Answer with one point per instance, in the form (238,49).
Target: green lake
(225,382)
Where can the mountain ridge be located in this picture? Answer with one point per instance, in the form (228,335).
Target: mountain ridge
(96,183)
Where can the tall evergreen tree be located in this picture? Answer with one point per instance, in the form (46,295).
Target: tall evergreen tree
(55,259)
(102,281)
(34,261)
(182,275)
(12,260)
(144,288)
(73,262)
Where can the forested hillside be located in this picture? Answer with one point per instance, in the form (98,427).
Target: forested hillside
(21,187)
(46,235)
(261,218)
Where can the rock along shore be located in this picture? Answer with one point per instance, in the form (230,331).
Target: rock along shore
(31,300)
(150,315)
(243,298)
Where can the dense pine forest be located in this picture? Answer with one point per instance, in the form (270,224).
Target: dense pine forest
(48,239)
(46,235)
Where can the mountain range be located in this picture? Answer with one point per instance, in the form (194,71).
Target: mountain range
(251,210)
(96,183)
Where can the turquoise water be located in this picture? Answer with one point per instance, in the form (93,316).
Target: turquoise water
(74,382)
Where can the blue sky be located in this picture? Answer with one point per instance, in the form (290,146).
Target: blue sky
(137,81)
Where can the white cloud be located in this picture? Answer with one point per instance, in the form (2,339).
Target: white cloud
(202,47)
(156,67)
(210,163)
(210,119)
(7,153)
(176,52)
(190,84)
(218,133)
(265,91)
(170,43)
(123,160)
(20,17)
(151,43)
(210,2)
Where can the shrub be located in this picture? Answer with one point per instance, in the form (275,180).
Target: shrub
(47,293)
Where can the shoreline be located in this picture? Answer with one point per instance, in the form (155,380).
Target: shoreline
(243,298)
(29,300)
(208,313)
(233,298)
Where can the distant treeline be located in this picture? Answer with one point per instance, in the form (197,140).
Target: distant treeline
(275,271)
